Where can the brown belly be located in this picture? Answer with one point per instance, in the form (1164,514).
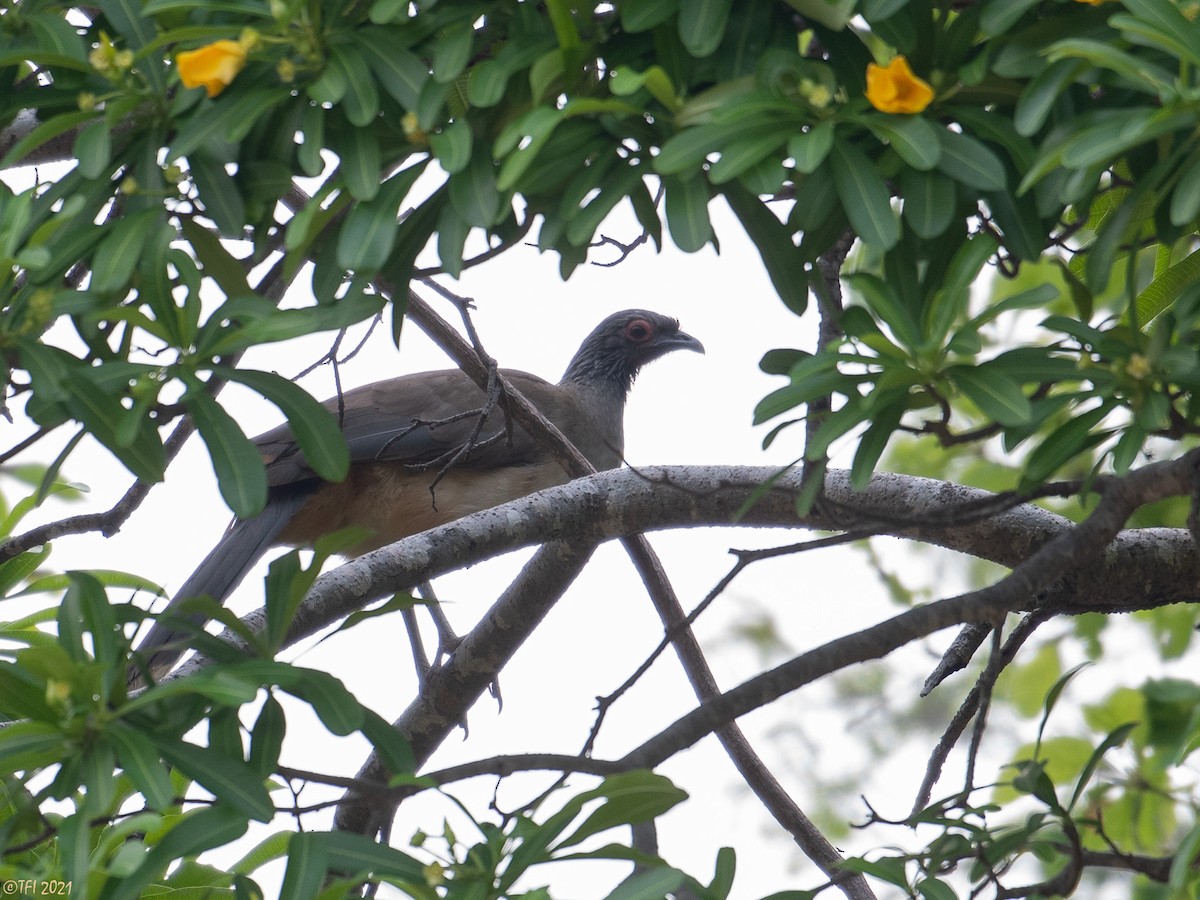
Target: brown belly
(392,503)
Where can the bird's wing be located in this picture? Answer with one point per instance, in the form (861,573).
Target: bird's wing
(419,420)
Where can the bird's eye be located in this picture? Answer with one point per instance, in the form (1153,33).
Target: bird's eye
(639,331)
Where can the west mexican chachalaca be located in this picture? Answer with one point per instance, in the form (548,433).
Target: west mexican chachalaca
(398,431)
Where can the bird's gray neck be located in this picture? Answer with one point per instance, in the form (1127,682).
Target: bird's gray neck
(602,438)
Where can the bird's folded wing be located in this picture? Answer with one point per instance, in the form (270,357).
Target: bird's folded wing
(420,420)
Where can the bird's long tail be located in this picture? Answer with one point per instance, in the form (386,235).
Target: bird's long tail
(216,577)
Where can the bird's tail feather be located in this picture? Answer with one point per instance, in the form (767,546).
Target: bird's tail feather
(216,577)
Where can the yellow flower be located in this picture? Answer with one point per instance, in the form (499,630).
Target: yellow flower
(212,67)
(895,89)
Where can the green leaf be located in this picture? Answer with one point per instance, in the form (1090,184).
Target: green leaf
(336,707)
(1062,445)
(774,243)
(314,428)
(629,798)
(228,779)
(452,51)
(914,139)
(30,746)
(139,758)
(196,831)
(93,149)
(950,303)
(687,213)
(366,238)
(1178,33)
(360,162)
(227,120)
(117,255)
(44,132)
(389,743)
(307,864)
(1038,98)
(642,15)
(888,305)
(864,196)
(1161,293)
(874,441)
(400,73)
(929,201)
(474,193)
(997,396)
(452,146)
(702,25)
(652,884)
(967,160)
(219,194)
(811,147)
(266,737)
(236,461)
(1185,199)
(740,155)
(361,100)
(356,854)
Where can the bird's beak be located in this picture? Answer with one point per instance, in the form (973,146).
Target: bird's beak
(680,340)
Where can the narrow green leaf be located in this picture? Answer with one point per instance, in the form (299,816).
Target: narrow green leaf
(1167,19)
(967,160)
(307,864)
(138,756)
(314,428)
(874,441)
(452,146)
(773,240)
(117,255)
(651,884)
(629,798)
(864,196)
(355,854)
(998,397)
(702,24)
(266,737)
(400,73)
(1038,98)
(1062,445)
(197,831)
(1161,293)
(811,147)
(93,149)
(44,132)
(950,303)
(914,138)
(336,707)
(226,120)
(219,195)
(687,213)
(642,15)
(230,780)
(236,462)
(361,162)
(361,100)
(366,238)
(887,304)
(929,201)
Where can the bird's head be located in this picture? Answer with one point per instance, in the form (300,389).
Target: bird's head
(619,346)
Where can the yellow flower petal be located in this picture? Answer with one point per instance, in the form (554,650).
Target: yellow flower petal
(895,89)
(212,67)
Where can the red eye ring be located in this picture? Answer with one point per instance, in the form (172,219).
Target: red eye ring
(639,331)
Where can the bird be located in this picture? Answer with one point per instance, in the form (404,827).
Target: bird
(419,460)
